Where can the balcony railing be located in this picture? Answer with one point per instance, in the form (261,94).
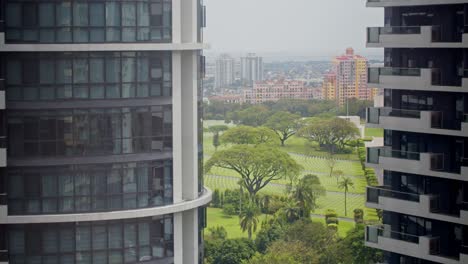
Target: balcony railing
(464,249)
(375,73)
(3,198)
(373,154)
(373,33)
(3,255)
(373,194)
(374,232)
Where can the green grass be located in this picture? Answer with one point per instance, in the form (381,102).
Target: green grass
(303,146)
(374,132)
(231,223)
(208,123)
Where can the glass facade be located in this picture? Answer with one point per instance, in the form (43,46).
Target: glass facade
(78,21)
(113,242)
(89,188)
(87,75)
(85,132)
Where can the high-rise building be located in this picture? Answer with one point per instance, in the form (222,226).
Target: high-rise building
(101,134)
(251,69)
(329,86)
(225,72)
(351,77)
(423,165)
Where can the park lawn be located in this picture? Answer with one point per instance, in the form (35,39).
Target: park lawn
(209,123)
(332,200)
(374,132)
(302,146)
(216,217)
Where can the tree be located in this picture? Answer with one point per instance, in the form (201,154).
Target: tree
(216,130)
(249,218)
(331,163)
(284,124)
(216,201)
(359,252)
(252,116)
(358,216)
(291,211)
(218,232)
(269,233)
(282,252)
(248,135)
(257,165)
(337,174)
(230,251)
(306,193)
(345,184)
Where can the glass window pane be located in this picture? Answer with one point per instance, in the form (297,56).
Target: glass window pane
(143,234)
(80,71)
(13,15)
(29,15)
(96,92)
(16,243)
(143,14)
(80,14)
(49,185)
(129,34)
(80,35)
(67,240)
(97,15)
(112,14)
(112,70)
(14,72)
(64,92)
(114,183)
(63,15)
(50,241)
(143,69)
(46,14)
(128,70)
(47,36)
(128,14)
(46,71)
(83,238)
(99,237)
(96,70)
(115,236)
(130,233)
(112,34)
(64,35)
(97,35)
(64,71)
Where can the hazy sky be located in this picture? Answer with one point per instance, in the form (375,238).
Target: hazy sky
(296,27)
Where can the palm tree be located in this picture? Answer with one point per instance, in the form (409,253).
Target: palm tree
(345,184)
(291,210)
(249,218)
(306,193)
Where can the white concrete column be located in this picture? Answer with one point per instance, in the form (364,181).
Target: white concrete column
(177,125)
(190,227)
(189,124)
(178,238)
(189,21)
(177,21)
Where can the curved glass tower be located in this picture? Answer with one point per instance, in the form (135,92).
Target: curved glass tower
(100,132)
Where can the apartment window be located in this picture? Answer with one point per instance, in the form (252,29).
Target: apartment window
(83,76)
(78,21)
(130,241)
(89,188)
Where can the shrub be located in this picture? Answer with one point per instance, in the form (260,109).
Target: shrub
(229,209)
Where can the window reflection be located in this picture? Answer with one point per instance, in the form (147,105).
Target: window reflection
(131,241)
(90,132)
(95,75)
(89,188)
(79,21)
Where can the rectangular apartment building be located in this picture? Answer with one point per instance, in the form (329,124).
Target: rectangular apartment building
(100,132)
(423,165)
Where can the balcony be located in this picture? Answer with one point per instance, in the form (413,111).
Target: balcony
(3,206)
(426,206)
(3,256)
(414,79)
(430,164)
(413,121)
(387,3)
(423,247)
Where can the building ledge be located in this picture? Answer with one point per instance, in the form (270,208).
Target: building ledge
(389,3)
(187,205)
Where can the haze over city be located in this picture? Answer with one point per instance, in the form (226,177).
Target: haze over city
(294,29)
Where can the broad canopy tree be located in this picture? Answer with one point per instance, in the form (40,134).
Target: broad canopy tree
(330,133)
(248,135)
(284,124)
(257,165)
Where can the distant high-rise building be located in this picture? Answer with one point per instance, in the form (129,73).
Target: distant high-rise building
(329,86)
(423,165)
(251,69)
(347,79)
(225,71)
(101,132)
(271,91)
